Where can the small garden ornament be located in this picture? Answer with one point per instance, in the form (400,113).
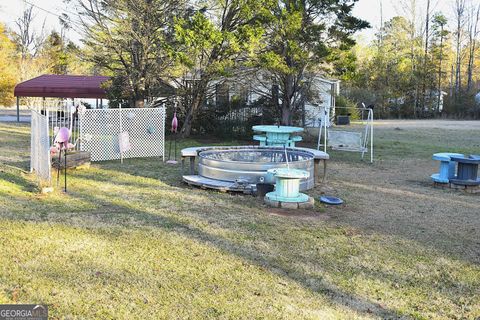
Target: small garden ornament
(61,143)
(174,131)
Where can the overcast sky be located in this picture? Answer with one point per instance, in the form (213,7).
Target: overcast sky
(366,9)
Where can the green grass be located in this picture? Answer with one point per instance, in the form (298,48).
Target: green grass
(132,242)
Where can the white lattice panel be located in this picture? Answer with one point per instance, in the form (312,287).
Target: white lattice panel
(61,115)
(40,162)
(100,130)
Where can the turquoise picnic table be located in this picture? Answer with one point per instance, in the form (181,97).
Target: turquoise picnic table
(277,136)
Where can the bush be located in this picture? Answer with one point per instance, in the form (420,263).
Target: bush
(346,107)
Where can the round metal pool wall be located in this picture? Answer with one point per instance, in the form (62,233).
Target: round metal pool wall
(250,165)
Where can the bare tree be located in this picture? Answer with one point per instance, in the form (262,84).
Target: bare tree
(29,42)
(425,53)
(473,31)
(459,10)
(439,22)
(28,39)
(409,8)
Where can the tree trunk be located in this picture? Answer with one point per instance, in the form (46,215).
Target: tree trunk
(287,95)
(425,55)
(459,13)
(472,47)
(413,78)
(439,86)
(451,81)
(286,115)
(199,96)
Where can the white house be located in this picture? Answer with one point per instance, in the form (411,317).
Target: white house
(252,87)
(322,96)
(315,110)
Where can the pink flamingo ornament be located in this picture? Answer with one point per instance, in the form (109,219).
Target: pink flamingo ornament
(174,122)
(174,131)
(61,140)
(63,135)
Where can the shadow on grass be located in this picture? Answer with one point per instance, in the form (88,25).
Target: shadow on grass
(155,168)
(124,216)
(227,215)
(18,179)
(20,165)
(160,173)
(276,257)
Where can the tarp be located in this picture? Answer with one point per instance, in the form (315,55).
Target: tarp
(62,86)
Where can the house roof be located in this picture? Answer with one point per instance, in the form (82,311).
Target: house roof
(62,86)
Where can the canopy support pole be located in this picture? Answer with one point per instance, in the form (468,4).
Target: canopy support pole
(18,109)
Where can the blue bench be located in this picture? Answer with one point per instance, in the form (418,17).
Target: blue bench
(291,142)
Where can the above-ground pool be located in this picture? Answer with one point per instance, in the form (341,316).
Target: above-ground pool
(249,166)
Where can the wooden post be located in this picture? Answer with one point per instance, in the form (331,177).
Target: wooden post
(192,165)
(316,169)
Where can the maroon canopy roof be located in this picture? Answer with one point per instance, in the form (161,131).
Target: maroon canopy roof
(62,86)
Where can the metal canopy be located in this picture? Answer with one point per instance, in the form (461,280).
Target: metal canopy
(62,86)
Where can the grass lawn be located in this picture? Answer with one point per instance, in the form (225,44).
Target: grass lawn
(132,241)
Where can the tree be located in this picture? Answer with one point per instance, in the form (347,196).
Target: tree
(473,32)
(55,51)
(301,37)
(410,9)
(29,42)
(63,56)
(8,70)
(459,9)
(425,54)
(389,67)
(439,23)
(408,65)
(131,39)
(215,42)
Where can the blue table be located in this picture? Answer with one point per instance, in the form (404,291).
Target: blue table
(277,136)
(447,167)
(467,172)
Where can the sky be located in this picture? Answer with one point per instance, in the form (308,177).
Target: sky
(366,9)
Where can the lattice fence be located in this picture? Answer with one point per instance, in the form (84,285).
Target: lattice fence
(40,162)
(100,131)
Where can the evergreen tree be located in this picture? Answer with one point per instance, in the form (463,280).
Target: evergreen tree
(8,68)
